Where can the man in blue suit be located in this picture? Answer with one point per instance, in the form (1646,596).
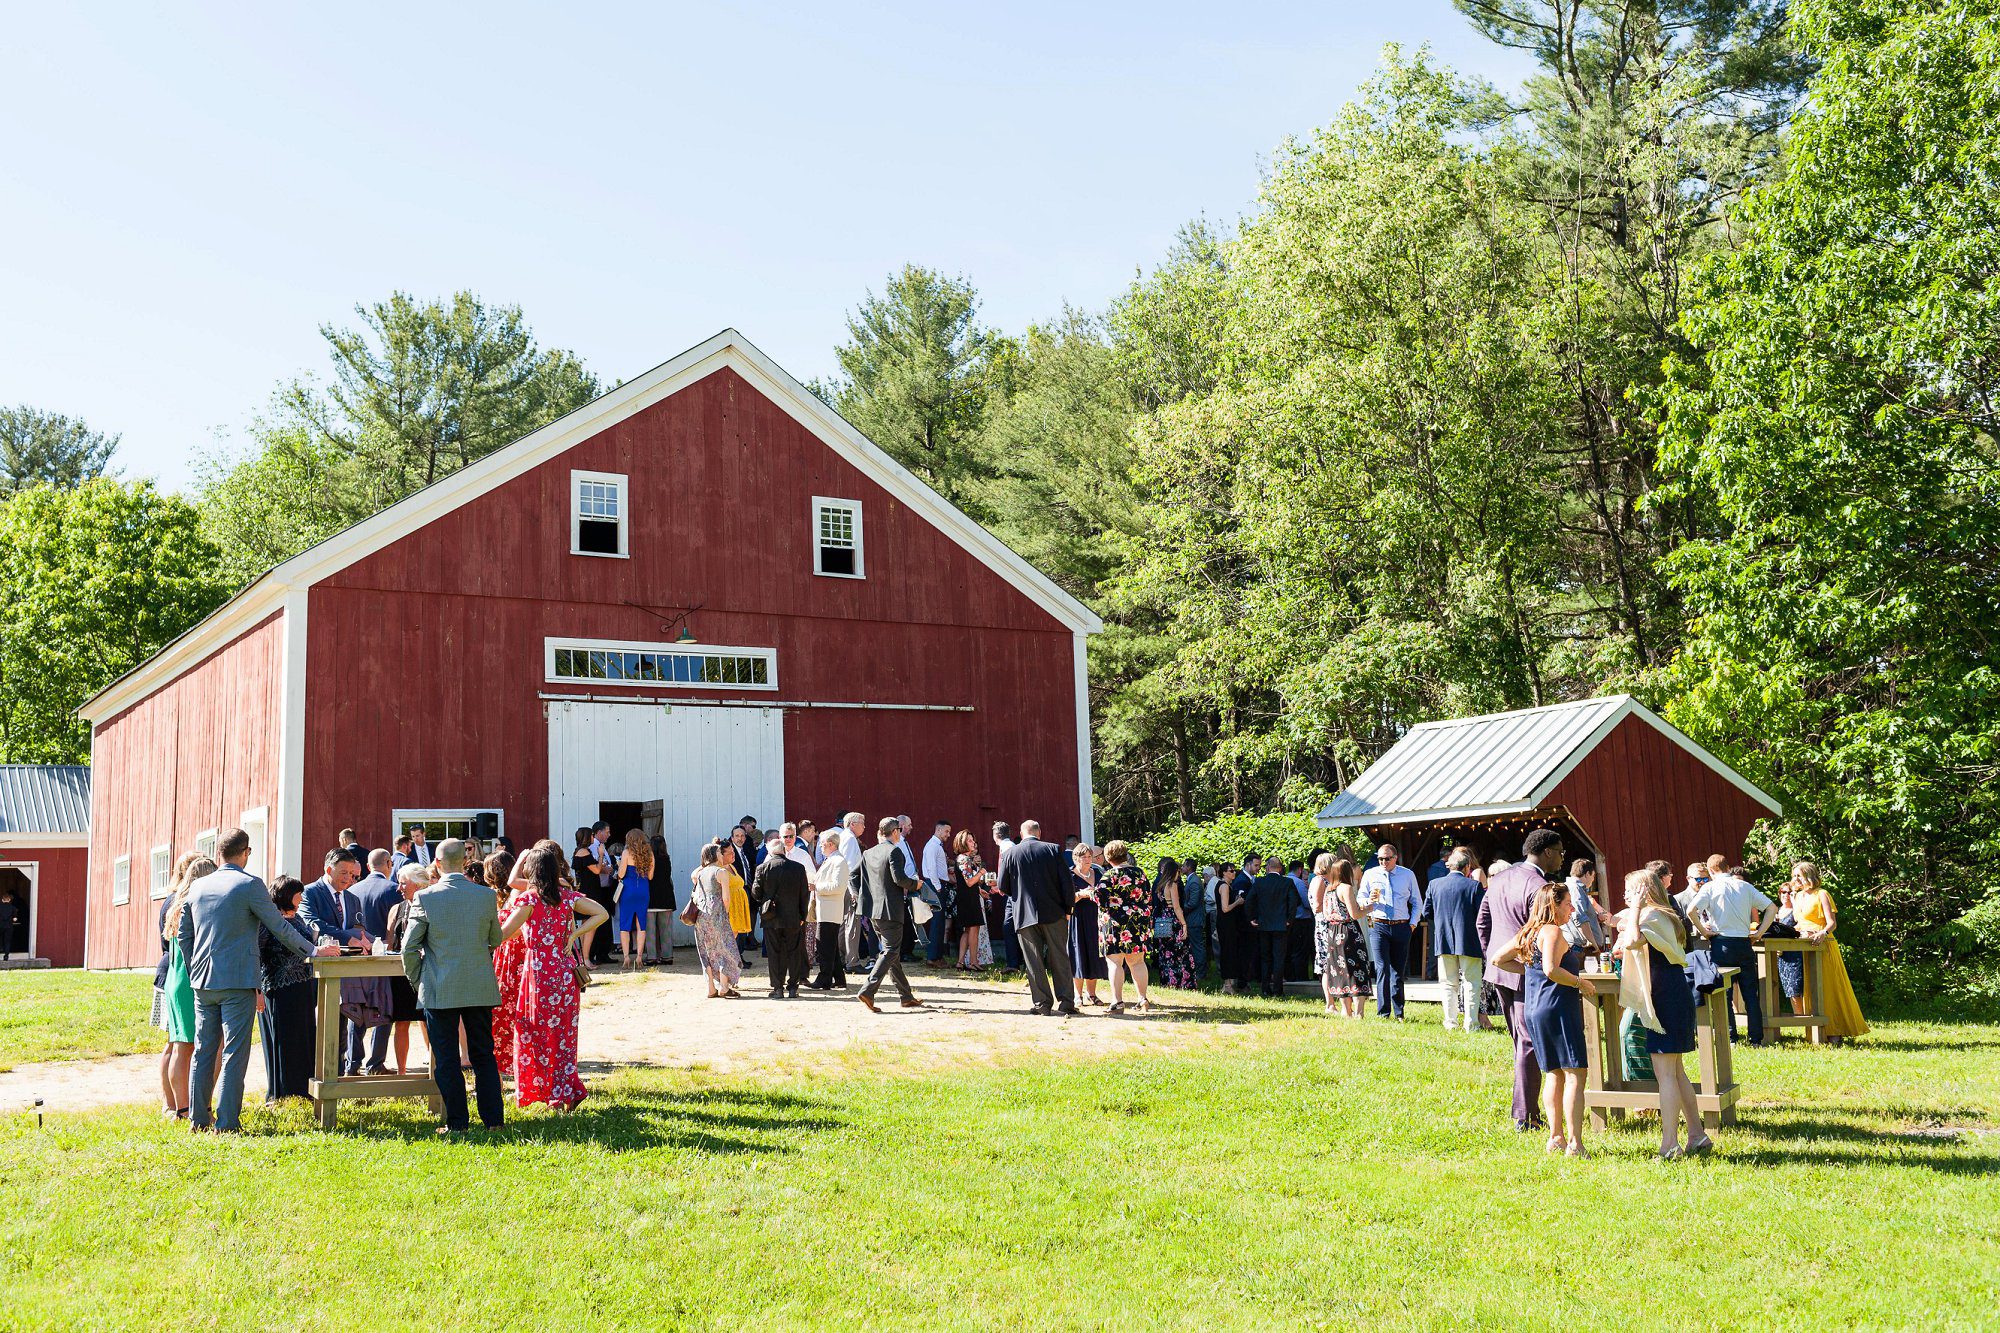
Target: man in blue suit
(1454,907)
(378,895)
(218,936)
(332,911)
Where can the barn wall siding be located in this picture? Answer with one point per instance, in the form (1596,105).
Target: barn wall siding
(1642,797)
(194,755)
(425,658)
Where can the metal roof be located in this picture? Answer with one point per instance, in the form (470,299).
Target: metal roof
(44,798)
(1498,763)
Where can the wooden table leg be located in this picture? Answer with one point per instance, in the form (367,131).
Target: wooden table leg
(1715,1003)
(1594,1058)
(326,1056)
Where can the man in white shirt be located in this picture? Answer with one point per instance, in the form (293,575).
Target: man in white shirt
(857,937)
(1008,946)
(1392,903)
(935,871)
(420,850)
(851,825)
(1735,916)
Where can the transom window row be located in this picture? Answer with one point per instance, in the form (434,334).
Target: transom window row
(661,668)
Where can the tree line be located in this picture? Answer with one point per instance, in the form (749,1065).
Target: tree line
(1671,371)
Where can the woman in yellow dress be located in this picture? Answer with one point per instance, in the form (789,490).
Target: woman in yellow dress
(1812,908)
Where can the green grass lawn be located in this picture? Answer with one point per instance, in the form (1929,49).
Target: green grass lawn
(1298,1173)
(72,1015)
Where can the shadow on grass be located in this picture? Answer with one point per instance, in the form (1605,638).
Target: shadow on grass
(723,1122)
(1790,1142)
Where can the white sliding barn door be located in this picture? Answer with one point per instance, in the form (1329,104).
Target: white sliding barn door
(709,766)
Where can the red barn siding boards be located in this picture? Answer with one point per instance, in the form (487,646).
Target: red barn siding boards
(193,755)
(1641,797)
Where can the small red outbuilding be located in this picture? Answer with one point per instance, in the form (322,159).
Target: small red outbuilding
(701,596)
(44,844)
(1622,784)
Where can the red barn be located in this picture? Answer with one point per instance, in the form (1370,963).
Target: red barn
(1622,785)
(701,596)
(44,844)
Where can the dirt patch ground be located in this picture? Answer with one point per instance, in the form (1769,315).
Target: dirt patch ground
(663,1018)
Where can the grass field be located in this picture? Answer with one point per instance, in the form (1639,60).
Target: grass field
(1298,1173)
(73,1015)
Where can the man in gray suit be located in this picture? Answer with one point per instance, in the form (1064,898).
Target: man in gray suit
(448,943)
(882,887)
(218,935)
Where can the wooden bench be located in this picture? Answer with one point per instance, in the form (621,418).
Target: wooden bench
(1608,1094)
(1778,1013)
(328,1087)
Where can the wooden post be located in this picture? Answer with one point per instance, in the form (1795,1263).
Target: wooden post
(326,1052)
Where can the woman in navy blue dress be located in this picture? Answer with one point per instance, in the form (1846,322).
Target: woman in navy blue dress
(1552,1007)
(1086,960)
(1650,935)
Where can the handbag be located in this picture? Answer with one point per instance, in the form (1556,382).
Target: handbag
(691,913)
(1164,928)
(580,966)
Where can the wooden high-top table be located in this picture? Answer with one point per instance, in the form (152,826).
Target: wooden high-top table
(328,1088)
(1607,1093)
(1778,1014)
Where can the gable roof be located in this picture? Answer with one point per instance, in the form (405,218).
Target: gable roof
(44,798)
(1498,764)
(727,349)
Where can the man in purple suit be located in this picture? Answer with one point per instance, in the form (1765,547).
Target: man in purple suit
(1510,896)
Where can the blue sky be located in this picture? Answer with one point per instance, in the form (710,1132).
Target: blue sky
(190,191)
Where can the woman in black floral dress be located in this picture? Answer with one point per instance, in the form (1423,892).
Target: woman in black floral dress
(1124,923)
(1171,952)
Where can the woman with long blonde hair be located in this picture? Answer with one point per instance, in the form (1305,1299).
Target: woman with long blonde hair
(173,993)
(1552,1007)
(635,897)
(1812,910)
(1337,934)
(1654,984)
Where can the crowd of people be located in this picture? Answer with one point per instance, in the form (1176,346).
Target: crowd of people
(496,950)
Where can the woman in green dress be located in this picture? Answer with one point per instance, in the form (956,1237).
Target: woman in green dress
(176,992)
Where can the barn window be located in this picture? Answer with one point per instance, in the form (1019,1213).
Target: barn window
(162,868)
(441,824)
(598,514)
(121,881)
(837,538)
(204,843)
(588,661)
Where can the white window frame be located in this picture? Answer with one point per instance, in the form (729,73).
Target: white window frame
(160,869)
(257,823)
(768,655)
(121,881)
(425,814)
(205,841)
(822,503)
(617,481)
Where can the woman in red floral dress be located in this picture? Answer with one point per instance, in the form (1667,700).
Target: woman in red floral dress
(549,917)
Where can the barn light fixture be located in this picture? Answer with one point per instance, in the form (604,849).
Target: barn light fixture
(670,616)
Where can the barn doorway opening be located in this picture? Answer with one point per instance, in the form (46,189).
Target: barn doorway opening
(696,770)
(622,816)
(14,941)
